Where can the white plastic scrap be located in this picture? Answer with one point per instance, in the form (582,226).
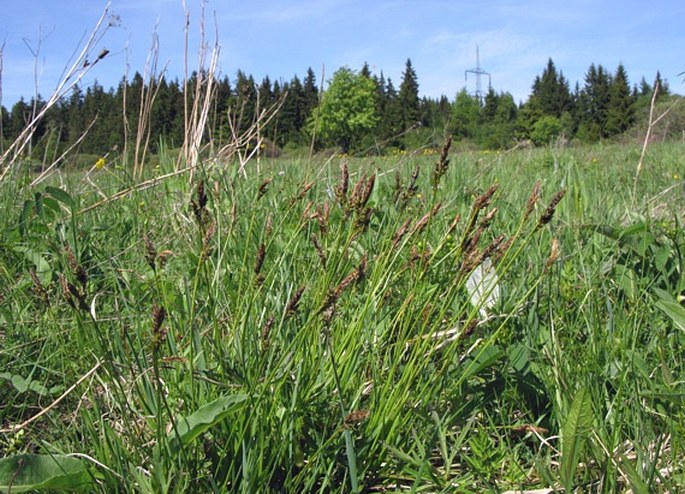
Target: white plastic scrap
(483,287)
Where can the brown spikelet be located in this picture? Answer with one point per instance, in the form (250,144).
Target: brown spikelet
(150,252)
(469,329)
(553,255)
(397,192)
(319,250)
(268,228)
(480,203)
(474,257)
(360,196)
(263,187)
(362,218)
(421,224)
(174,359)
(483,200)
(471,242)
(207,241)
(327,313)
(158,316)
(306,216)
(294,302)
(355,417)
(443,163)
(38,286)
(73,295)
(76,269)
(357,192)
(266,333)
(453,225)
(368,188)
(487,220)
(419,256)
(259,261)
(234,214)
(526,428)
(549,212)
(158,332)
(492,247)
(199,204)
(356,275)
(322,216)
(163,256)
(341,189)
(532,200)
(412,187)
(399,234)
(471,260)
(302,193)
(306,187)
(501,250)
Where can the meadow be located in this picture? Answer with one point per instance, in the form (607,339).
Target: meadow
(317,326)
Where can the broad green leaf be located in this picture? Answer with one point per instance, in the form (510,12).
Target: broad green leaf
(574,433)
(190,427)
(42,266)
(627,280)
(484,359)
(24,217)
(61,195)
(22,385)
(519,357)
(669,306)
(23,473)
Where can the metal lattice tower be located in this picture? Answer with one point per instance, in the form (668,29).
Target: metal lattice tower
(479,73)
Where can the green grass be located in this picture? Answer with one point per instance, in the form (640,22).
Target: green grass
(269,332)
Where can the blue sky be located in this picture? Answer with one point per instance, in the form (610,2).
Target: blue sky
(284,38)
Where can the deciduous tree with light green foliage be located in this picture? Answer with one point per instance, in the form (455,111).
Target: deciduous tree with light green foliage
(347,109)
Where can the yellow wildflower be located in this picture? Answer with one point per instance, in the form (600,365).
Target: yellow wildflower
(100,164)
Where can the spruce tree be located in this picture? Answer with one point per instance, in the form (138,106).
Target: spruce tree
(620,113)
(550,93)
(311,92)
(594,104)
(390,126)
(409,97)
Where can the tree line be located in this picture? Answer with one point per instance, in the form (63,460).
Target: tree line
(358,111)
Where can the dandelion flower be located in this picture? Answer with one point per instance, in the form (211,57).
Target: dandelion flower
(100,164)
